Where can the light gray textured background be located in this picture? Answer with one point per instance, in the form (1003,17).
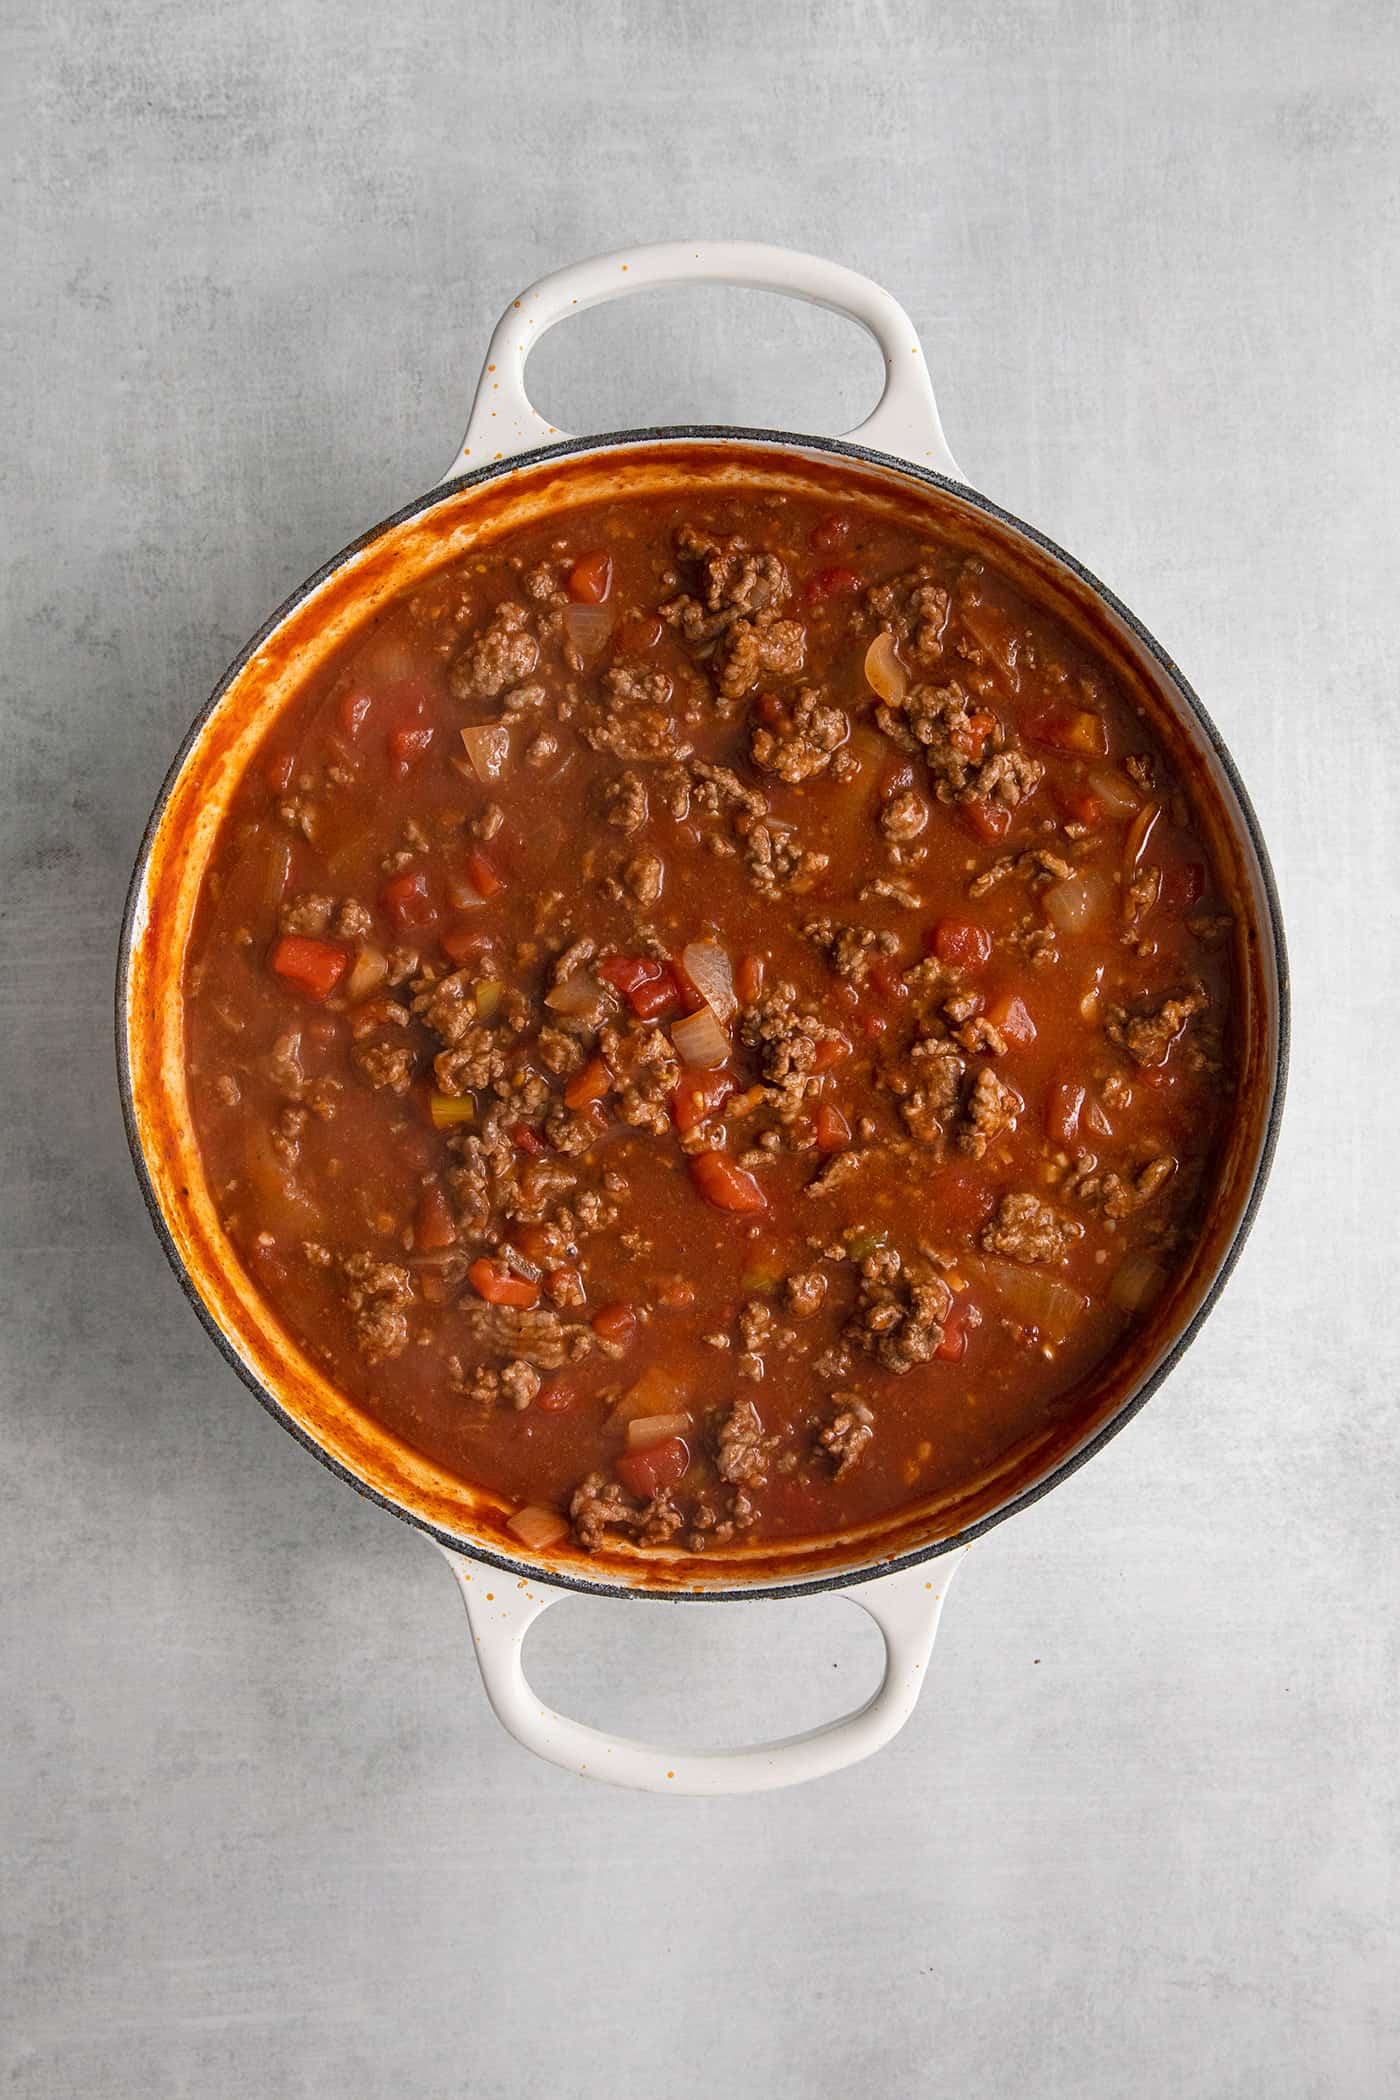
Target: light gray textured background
(260,1834)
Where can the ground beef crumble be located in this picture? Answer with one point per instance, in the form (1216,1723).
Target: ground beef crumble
(1027,1229)
(1148,1037)
(846,1435)
(503,654)
(376,1294)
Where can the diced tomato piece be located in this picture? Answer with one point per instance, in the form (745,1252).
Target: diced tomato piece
(691,996)
(651,1000)
(405,900)
(1010,1015)
(461,941)
(498,1286)
(831,583)
(1182,886)
(646,1473)
(314,967)
(614,1323)
(874,1025)
(557,1397)
(407,746)
(961,942)
(833,1131)
(961,1199)
(675,1292)
(536,1242)
(1080,806)
(527,1140)
(353,712)
(953,1347)
(886,978)
(1063,1107)
(639,632)
(831,535)
(829,1050)
(697,1095)
(990,820)
(725,1185)
(564,1284)
(972,740)
(649,986)
(590,578)
(748,979)
(278,770)
(434,1226)
(591,1083)
(482,876)
(1070,729)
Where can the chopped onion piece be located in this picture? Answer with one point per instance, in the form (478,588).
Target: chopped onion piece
(464,896)
(579,994)
(656,1392)
(1141,832)
(884,673)
(278,873)
(487,993)
(367,972)
(449,1109)
(700,1040)
(1038,1300)
(588,627)
(1114,790)
(645,1430)
(1137,1282)
(535,1526)
(488,748)
(707,966)
(1074,904)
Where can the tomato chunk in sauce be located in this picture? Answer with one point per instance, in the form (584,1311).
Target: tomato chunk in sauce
(714,1021)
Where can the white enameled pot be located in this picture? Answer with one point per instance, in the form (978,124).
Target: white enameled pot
(512,466)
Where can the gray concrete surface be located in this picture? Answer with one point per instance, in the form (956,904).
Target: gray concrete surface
(260,1834)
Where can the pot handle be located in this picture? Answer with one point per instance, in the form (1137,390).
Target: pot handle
(502,1608)
(905,419)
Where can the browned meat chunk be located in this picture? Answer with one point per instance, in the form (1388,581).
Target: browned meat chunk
(598,1503)
(752,650)
(899,1313)
(805,1292)
(636,718)
(848,1433)
(385,1062)
(1117,1195)
(903,816)
(503,654)
(1028,1230)
(967,761)
(376,1294)
(625,799)
(992,1109)
(645,877)
(742,1450)
(850,950)
(914,607)
(797,741)
(776,859)
(785,1041)
(306,914)
(1148,1037)
(535,1336)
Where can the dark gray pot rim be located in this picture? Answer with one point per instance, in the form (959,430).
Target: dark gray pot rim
(840,448)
